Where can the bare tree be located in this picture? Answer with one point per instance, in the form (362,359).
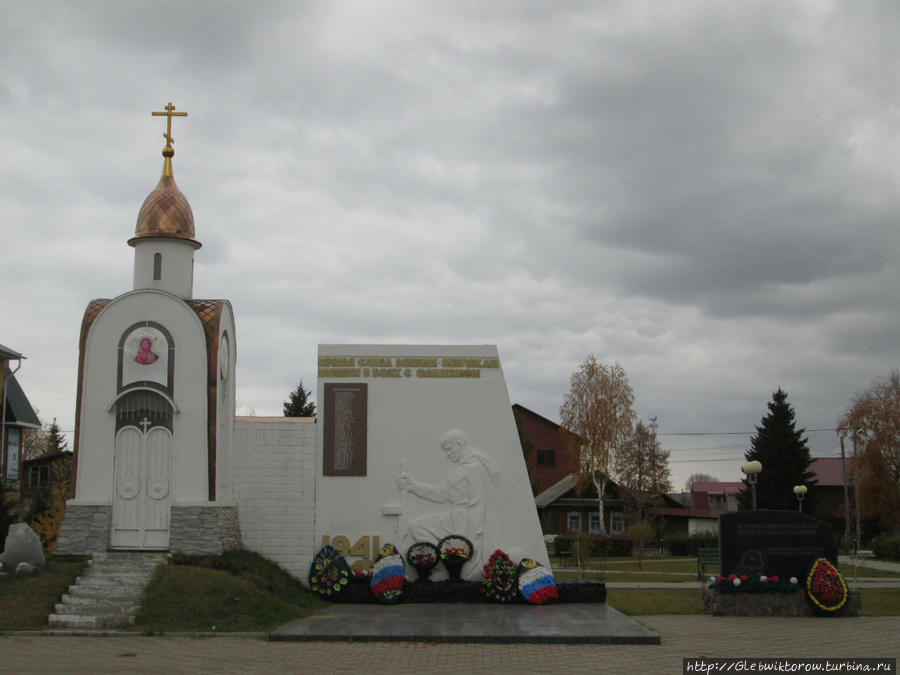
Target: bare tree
(698,478)
(643,468)
(596,417)
(687,496)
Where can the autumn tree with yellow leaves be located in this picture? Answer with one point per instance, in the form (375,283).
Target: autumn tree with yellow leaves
(596,417)
(872,422)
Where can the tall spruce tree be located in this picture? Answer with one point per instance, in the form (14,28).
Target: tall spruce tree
(56,442)
(785,459)
(300,404)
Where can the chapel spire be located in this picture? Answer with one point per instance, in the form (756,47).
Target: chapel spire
(166,212)
(168,151)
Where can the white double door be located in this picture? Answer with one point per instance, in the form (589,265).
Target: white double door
(143,464)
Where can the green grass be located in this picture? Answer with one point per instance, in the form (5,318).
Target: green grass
(635,602)
(880,601)
(237,591)
(27,601)
(683,565)
(568,574)
(660,570)
(868,572)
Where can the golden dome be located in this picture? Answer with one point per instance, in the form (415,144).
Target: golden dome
(165,212)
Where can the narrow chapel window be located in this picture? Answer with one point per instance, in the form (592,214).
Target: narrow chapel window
(157,266)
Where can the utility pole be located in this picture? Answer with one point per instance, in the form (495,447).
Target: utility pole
(846,494)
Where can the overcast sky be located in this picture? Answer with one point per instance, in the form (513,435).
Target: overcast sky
(706,192)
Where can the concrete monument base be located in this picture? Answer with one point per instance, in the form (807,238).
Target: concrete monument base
(769,604)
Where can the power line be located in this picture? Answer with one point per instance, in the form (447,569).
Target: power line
(44,384)
(735,433)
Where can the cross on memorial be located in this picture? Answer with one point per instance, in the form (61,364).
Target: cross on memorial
(145,423)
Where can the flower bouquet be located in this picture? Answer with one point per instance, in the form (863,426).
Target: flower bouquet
(329,574)
(744,583)
(498,581)
(423,556)
(455,551)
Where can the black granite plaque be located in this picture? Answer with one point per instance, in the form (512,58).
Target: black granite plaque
(770,542)
(346,426)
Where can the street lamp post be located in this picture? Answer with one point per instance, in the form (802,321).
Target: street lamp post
(800,491)
(752,470)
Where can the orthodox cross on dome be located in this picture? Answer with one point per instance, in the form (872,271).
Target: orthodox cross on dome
(169,114)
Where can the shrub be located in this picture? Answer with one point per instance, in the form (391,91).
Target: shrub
(610,547)
(687,545)
(596,545)
(563,542)
(886,546)
(7,517)
(48,520)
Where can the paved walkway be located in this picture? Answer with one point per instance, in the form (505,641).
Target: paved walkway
(885,565)
(569,622)
(682,636)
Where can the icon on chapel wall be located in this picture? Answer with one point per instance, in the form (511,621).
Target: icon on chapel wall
(145,352)
(145,356)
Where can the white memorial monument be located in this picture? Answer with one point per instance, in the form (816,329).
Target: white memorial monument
(419,443)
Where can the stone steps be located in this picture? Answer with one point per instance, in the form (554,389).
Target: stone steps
(76,621)
(109,592)
(74,605)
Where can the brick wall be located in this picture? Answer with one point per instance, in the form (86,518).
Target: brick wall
(274,474)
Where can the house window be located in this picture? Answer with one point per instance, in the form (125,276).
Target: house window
(573,521)
(39,476)
(546,458)
(157,266)
(616,522)
(594,523)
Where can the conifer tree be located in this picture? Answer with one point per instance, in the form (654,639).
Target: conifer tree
(785,459)
(300,404)
(55,441)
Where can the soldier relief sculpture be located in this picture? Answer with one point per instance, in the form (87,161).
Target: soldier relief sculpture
(466,489)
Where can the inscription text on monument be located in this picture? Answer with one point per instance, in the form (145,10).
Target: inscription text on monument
(345,450)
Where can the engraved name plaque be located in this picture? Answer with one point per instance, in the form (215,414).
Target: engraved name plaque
(346,427)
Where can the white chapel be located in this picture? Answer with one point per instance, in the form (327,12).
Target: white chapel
(155,402)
